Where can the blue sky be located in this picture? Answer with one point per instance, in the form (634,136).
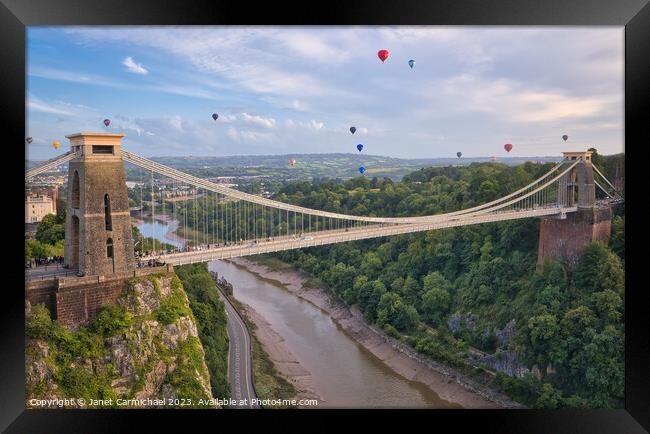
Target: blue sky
(285,90)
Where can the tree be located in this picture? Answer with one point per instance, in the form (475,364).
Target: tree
(435,280)
(410,290)
(617,239)
(392,310)
(599,269)
(549,398)
(609,306)
(435,305)
(543,331)
(371,264)
(369,295)
(49,231)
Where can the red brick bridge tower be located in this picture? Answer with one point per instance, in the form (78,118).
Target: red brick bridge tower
(564,238)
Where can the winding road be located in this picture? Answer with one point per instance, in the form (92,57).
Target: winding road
(240,358)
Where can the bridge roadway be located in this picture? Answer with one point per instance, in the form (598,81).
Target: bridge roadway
(311,239)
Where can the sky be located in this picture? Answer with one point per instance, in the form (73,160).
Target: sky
(292,90)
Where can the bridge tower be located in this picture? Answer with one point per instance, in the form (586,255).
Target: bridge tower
(564,238)
(98,239)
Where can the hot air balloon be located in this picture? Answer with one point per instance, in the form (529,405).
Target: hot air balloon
(565,137)
(56,144)
(107,122)
(29,140)
(215,116)
(359,147)
(383,55)
(507,147)
(292,162)
(493,158)
(459,154)
(411,63)
(362,169)
(353,130)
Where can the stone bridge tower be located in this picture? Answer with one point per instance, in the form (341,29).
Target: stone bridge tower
(98,239)
(564,238)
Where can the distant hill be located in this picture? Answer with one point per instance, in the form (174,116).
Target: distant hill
(322,165)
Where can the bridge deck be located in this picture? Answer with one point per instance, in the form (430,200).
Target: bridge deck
(248,248)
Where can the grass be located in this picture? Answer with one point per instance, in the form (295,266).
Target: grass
(173,307)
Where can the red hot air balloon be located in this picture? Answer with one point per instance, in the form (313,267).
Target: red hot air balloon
(493,158)
(383,55)
(292,162)
(507,147)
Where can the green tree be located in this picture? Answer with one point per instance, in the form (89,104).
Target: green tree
(617,239)
(543,331)
(392,310)
(550,397)
(49,231)
(369,295)
(599,269)
(435,305)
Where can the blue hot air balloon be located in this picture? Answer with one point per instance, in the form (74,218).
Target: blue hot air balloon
(215,116)
(362,169)
(359,147)
(353,129)
(411,63)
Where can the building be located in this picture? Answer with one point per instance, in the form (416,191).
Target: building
(38,205)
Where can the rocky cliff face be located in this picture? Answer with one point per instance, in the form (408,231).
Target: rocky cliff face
(146,348)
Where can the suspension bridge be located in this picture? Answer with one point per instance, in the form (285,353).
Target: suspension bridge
(222,222)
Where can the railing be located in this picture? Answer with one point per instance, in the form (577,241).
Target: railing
(66,273)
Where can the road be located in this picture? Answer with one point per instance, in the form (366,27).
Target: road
(240,359)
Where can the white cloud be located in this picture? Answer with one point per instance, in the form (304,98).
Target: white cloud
(176,122)
(258,120)
(40,106)
(61,108)
(313,47)
(133,67)
(246,136)
(311,125)
(518,102)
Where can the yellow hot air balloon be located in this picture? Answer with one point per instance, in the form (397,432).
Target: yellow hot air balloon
(56,144)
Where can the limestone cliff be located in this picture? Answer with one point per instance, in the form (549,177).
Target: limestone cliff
(145,347)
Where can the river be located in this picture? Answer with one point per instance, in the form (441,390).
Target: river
(162,229)
(344,373)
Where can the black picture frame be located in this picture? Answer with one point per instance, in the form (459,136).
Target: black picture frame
(15,15)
